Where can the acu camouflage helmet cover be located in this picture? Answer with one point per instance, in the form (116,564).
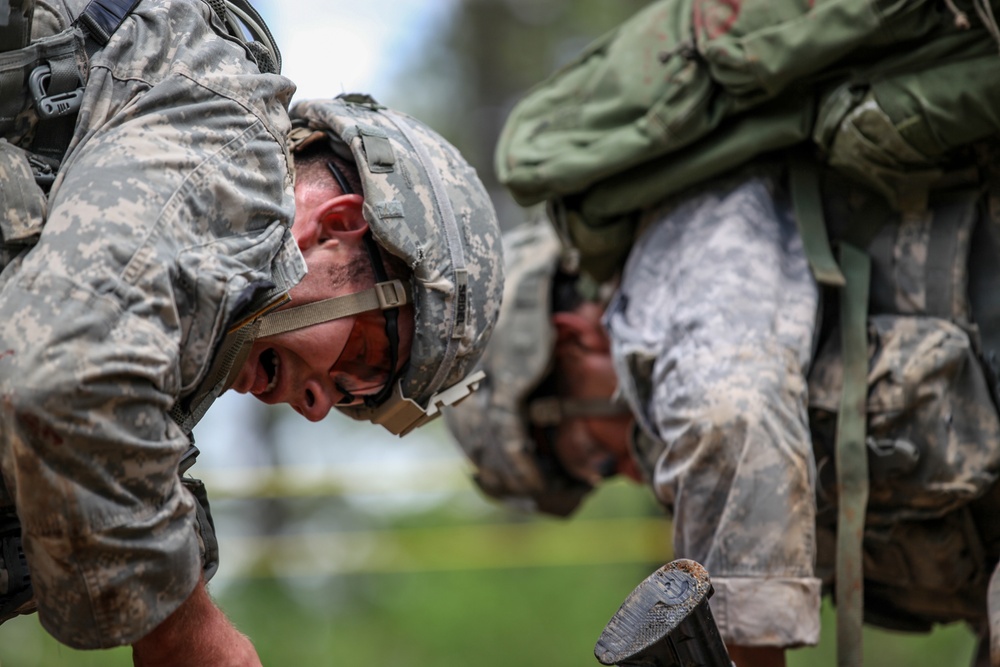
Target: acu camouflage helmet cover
(493,426)
(426,205)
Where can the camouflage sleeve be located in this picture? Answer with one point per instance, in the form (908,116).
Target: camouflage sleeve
(174,197)
(712,333)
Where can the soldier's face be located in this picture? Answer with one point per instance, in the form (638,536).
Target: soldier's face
(336,362)
(318,367)
(590,448)
(583,456)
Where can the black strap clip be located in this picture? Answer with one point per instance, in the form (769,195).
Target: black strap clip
(52,106)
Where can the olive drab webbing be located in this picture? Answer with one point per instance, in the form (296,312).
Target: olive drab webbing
(15,23)
(40,90)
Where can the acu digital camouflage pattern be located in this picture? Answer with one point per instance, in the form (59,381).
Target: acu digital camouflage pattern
(492,425)
(932,434)
(425,204)
(711,336)
(711,332)
(174,201)
(932,425)
(22,201)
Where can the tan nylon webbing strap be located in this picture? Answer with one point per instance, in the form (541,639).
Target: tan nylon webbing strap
(389,294)
(552,410)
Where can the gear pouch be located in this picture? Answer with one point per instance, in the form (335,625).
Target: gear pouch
(932,427)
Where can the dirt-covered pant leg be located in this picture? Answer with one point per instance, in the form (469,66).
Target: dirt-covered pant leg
(712,333)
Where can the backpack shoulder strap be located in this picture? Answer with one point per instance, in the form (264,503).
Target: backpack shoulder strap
(101,18)
(15,24)
(55,82)
(851,277)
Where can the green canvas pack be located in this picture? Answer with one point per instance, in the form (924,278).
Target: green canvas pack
(688,89)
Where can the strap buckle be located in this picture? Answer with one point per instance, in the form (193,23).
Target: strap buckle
(52,106)
(390,294)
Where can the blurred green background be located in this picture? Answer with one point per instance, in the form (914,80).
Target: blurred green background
(344,545)
(351,561)
(439,577)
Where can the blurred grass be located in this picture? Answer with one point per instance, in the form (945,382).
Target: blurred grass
(549,617)
(945,646)
(456,585)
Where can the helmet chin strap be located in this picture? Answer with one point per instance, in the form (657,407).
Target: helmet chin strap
(553,410)
(383,296)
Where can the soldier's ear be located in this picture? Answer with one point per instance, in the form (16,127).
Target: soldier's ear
(342,214)
(336,219)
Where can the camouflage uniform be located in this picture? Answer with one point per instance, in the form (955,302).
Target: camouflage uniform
(711,333)
(169,220)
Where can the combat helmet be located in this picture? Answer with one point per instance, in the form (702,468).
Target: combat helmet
(426,205)
(502,427)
